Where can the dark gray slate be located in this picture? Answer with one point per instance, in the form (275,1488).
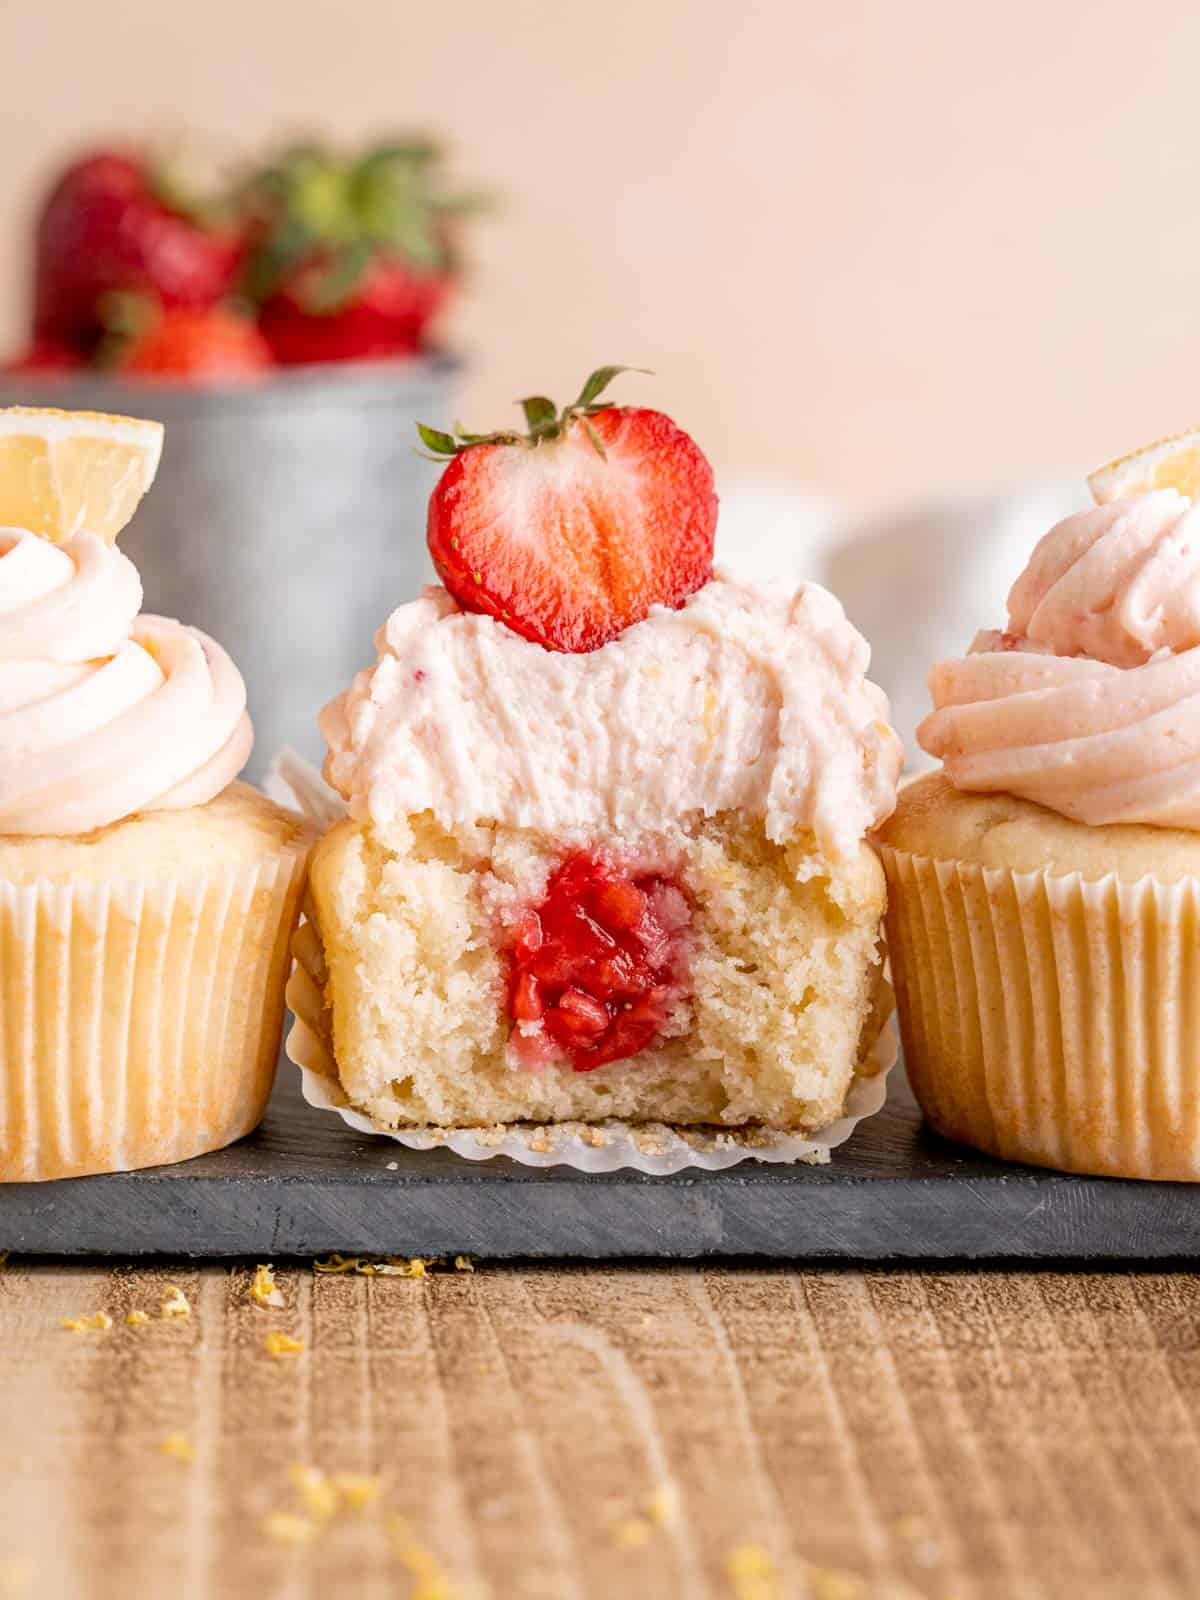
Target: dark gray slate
(304,1185)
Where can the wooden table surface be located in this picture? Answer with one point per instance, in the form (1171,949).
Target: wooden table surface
(601,1433)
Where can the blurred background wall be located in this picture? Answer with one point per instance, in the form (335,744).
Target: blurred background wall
(885,249)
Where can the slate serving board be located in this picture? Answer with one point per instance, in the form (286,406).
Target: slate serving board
(304,1185)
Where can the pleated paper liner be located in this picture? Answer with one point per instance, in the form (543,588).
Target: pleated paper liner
(656,1148)
(140,1021)
(1048,1019)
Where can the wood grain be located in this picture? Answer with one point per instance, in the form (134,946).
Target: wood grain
(587,1433)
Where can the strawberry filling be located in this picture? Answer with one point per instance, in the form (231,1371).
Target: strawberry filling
(598,965)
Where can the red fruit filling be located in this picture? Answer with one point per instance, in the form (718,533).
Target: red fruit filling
(598,964)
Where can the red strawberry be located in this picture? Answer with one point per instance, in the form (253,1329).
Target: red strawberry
(570,533)
(606,970)
(350,257)
(384,319)
(215,345)
(105,229)
(46,358)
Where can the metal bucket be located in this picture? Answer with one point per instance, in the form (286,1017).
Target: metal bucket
(287,519)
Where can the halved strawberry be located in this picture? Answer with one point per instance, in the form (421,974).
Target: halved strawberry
(571,532)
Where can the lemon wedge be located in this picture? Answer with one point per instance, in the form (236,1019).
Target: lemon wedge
(1167,464)
(69,472)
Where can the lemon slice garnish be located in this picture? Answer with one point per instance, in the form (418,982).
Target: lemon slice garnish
(1172,463)
(69,472)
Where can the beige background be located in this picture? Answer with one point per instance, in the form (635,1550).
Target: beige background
(885,248)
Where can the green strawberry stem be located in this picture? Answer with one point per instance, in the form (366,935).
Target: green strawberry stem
(333,215)
(544,420)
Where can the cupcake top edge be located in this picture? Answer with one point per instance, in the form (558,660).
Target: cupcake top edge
(742,698)
(1086,702)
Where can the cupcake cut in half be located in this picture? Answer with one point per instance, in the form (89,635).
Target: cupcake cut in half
(147,899)
(1044,886)
(605,853)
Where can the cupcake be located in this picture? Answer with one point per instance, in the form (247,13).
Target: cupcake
(147,900)
(1044,885)
(605,853)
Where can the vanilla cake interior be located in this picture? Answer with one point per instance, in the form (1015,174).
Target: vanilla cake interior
(774,969)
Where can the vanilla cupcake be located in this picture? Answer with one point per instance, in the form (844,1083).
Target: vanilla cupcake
(1044,886)
(147,900)
(606,849)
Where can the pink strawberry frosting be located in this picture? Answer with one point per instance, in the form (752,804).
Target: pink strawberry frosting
(1090,702)
(104,712)
(744,699)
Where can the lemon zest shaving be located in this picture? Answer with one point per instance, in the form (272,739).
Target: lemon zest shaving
(336,1263)
(751,1573)
(318,1494)
(99,1320)
(282,1344)
(405,1266)
(288,1528)
(358,1489)
(430,1580)
(831,1583)
(178,1447)
(387,1267)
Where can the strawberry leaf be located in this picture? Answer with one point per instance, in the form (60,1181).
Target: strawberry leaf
(599,381)
(336,287)
(442,444)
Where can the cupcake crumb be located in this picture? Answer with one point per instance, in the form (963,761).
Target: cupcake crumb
(175,1303)
(263,1290)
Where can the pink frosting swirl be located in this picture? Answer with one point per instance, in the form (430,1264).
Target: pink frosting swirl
(104,713)
(1090,702)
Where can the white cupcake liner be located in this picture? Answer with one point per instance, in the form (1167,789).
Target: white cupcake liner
(1050,1019)
(139,1020)
(658,1149)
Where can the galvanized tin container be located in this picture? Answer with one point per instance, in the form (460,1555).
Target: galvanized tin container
(287,519)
